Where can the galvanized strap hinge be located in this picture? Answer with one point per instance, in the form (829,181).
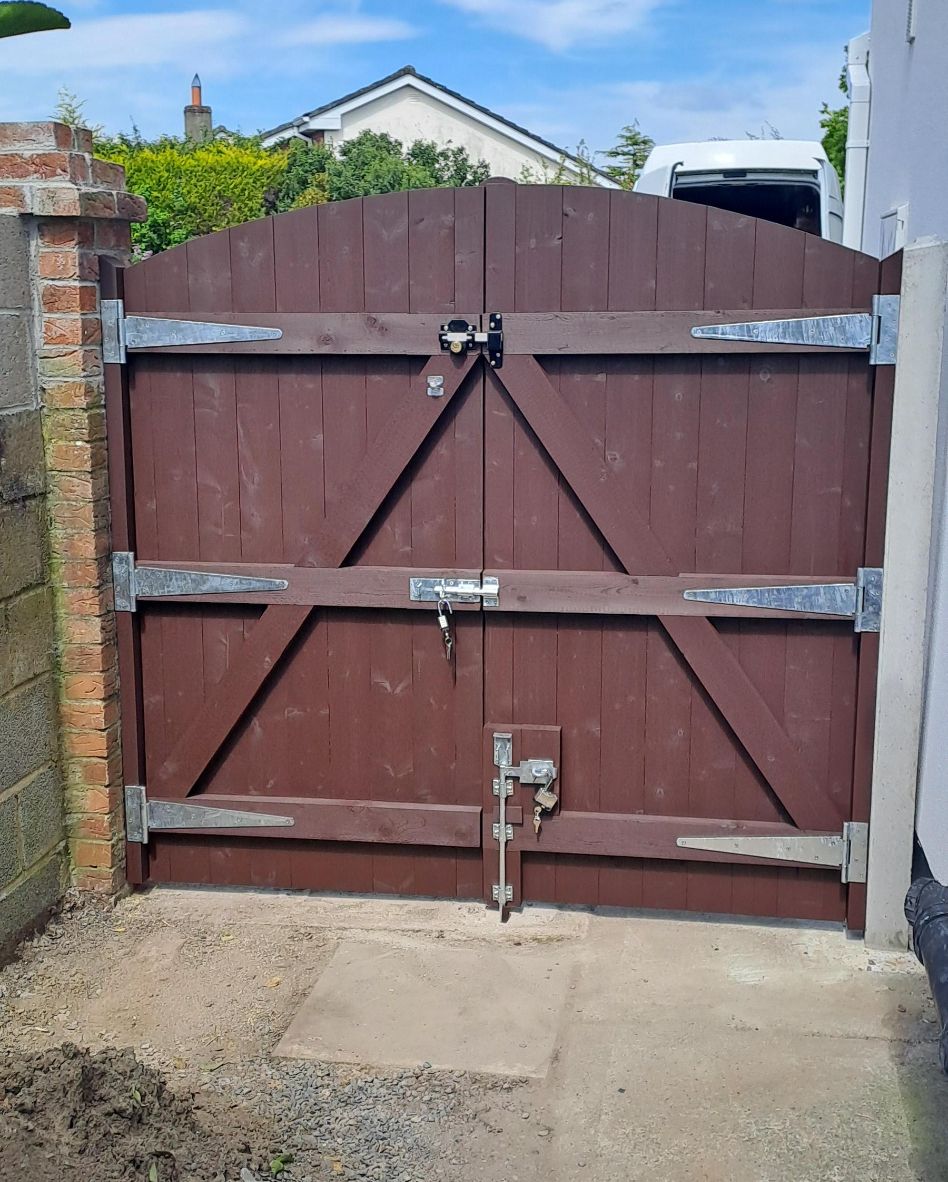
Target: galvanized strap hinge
(131,583)
(437,587)
(142,815)
(121,333)
(877,331)
(457,337)
(848,850)
(860,600)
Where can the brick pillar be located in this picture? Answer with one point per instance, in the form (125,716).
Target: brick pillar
(75,210)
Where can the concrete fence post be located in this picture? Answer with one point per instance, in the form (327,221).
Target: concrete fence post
(70,209)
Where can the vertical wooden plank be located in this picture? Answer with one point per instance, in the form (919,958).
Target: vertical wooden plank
(719,522)
(633,246)
(128,632)
(296,260)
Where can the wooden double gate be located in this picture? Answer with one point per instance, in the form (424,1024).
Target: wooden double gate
(608,462)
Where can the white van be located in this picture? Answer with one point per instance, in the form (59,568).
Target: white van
(787,181)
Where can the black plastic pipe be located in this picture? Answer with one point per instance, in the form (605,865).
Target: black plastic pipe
(926,909)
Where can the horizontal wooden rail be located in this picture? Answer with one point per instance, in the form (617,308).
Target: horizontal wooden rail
(612,594)
(566,592)
(386,822)
(548,333)
(623,835)
(540,333)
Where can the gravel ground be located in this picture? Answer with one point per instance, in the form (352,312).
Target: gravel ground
(406,1126)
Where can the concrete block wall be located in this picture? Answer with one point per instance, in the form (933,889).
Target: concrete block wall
(32,829)
(61,210)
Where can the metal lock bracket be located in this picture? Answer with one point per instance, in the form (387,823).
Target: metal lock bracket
(459,337)
(527,771)
(436,587)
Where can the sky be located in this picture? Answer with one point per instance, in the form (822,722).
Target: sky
(569,70)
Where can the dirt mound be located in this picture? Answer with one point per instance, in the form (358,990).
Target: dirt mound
(106,1117)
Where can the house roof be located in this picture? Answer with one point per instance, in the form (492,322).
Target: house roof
(408,73)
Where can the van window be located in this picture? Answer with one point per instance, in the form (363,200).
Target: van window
(790,203)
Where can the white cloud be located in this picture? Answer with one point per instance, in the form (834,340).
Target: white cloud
(139,39)
(562,24)
(699,107)
(346,30)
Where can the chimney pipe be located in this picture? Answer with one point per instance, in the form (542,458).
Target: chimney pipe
(197,117)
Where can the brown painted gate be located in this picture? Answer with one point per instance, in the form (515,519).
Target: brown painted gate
(609,463)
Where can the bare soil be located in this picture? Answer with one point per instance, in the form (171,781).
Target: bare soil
(68,1113)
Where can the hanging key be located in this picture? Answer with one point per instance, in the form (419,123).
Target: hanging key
(545,801)
(444,610)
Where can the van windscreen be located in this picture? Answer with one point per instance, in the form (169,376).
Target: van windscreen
(790,203)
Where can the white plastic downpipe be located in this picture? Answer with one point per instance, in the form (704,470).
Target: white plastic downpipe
(857,139)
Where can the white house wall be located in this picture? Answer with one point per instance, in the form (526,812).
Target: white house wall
(908,148)
(907,171)
(408,115)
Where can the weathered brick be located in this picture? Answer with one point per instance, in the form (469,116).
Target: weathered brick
(14,263)
(70,486)
(69,395)
(69,363)
(14,198)
(131,207)
(75,515)
(113,236)
(97,203)
(108,175)
(81,573)
(41,814)
(92,714)
(87,629)
(76,457)
(87,658)
(92,854)
(22,546)
(27,730)
(86,744)
(75,426)
(92,784)
(66,234)
(105,881)
(34,136)
(101,684)
(75,544)
(68,264)
(55,201)
(22,471)
(82,139)
(70,296)
(28,621)
(16,370)
(71,330)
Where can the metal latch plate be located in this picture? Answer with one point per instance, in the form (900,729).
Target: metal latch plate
(432,589)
